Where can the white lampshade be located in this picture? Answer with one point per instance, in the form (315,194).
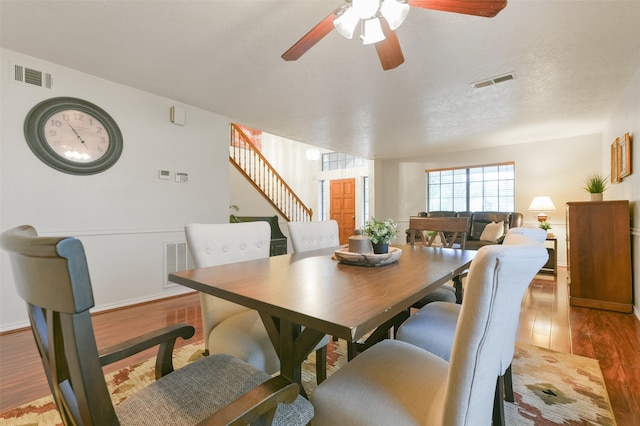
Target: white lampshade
(542,204)
(372,31)
(346,23)
(395,12)
(365,8)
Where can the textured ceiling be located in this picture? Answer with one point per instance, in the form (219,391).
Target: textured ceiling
(572,61)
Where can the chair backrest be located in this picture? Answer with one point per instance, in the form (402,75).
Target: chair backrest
(220,244)
(448,228)
(307,236)
(497,280)
(52,276)
(538,234)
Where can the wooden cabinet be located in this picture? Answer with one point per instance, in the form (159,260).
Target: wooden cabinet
(599,255)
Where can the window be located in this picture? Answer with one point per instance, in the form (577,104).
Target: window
(481,188)
(338,160)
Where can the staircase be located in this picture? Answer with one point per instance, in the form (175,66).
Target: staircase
(244,155)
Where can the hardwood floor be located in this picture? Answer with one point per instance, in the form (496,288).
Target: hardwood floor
(546,320)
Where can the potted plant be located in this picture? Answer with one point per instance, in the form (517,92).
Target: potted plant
(596,185)
(233,209)
(380,232)
(544,225)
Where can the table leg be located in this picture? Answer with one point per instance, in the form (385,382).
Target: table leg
(379,334)
(293,344)
(289,368)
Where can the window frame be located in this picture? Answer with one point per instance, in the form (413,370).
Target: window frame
(498,200)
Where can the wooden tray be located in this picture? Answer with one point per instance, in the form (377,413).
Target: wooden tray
(368,259)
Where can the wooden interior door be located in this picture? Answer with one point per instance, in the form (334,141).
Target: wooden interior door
(342,193)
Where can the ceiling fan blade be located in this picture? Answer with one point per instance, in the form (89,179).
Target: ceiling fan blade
(486,8)
(314,35)
(389,50)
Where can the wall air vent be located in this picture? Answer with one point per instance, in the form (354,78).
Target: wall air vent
(176,258)
(32,77)
(494,80)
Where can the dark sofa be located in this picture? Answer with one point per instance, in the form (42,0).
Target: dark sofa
(477,223)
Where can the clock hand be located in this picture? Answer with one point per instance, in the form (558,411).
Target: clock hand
(77,135)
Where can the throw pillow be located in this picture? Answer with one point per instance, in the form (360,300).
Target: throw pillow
(492,232)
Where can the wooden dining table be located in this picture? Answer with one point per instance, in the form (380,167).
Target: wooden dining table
(302,297)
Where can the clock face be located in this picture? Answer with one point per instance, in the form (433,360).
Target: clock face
(73,136)
(76,135)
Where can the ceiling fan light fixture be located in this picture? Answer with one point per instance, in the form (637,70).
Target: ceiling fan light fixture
(347,22)
(372,31)
(365,8)
(395,12)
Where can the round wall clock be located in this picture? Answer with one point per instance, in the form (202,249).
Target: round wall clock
(73,136)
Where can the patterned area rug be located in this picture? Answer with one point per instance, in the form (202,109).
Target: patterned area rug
(551,388)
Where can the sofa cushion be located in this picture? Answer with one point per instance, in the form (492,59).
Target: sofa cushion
(492,232)
(481,219)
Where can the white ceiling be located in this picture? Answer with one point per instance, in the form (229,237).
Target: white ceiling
(572,60)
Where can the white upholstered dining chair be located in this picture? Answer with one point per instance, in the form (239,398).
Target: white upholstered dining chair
(228,327)
(433,327)
(307,236)
(395,382)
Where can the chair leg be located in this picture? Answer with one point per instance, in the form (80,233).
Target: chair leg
(508,385)
(321,364)
(498,404)
(352,350)
(457,284)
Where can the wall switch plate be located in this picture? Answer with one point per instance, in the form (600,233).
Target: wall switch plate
(182,177)
(164,174)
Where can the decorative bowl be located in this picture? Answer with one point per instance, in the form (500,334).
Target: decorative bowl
(367,259)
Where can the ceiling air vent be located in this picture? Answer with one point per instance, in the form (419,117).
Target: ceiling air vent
(32,77)
(494,80)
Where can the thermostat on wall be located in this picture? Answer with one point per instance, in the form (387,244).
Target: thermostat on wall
(164,174)
(182,177)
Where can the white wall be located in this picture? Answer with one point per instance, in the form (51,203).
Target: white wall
(626,118)
(125,214)
(556,168)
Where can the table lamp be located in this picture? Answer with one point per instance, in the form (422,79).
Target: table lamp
(542,204)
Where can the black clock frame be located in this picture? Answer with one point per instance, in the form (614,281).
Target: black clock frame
(34,133)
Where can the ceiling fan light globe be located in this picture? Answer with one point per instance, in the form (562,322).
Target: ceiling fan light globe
(365,8)
(395,12)
(372,31)
(347,22)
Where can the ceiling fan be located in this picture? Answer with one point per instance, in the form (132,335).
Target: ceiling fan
(379,20)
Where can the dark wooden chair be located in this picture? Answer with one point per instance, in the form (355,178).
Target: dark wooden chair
(452,230)
(52,276)
(448,228)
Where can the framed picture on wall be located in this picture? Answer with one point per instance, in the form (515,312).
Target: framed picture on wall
(615,163)
(624,156)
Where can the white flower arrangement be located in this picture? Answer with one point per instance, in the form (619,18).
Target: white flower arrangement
(380,231)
